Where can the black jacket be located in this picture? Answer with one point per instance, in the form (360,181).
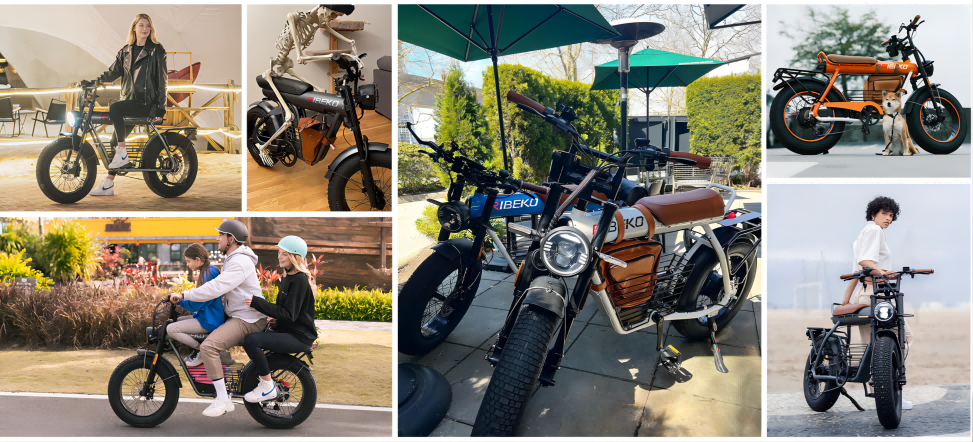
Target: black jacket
(294,309)
(146,80)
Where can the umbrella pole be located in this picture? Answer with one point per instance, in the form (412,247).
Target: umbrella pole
(623,68)
(496,86)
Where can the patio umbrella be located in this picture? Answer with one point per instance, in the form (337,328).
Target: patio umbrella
(477,32)
(652,68)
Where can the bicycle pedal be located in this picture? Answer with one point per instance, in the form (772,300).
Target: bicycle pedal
(671,359)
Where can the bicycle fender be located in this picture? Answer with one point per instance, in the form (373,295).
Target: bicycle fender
(165,362)
(823,84)
(350,152)
(913,101)
(891,334)
(265,105)
(454,249)
(547,293)
(272,357)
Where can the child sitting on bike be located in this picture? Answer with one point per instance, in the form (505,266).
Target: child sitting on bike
(207,315)
(293,329)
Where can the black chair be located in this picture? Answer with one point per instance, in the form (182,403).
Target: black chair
(7,115)
(53,115)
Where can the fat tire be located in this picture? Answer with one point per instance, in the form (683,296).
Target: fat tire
(822,401)
(43,174)
(337,200)
(778,124)
(307,404)
(169,379)
(926,142)
(416,294)
(703,264)
(153,149)
(888,395)
(255,114)
(516,374)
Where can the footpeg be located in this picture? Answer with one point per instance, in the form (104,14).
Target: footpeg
(671,359)
(717,356)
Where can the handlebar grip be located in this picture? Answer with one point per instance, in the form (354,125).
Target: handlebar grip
(885,42)
(534,188)
(520,99)
(341,61)
(850,275)
(914,20)
(926,271)
(701,161)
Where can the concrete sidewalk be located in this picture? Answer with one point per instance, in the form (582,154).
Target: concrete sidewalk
(859,160)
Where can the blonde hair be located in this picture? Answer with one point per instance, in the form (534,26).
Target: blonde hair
(131,30)
(301,265)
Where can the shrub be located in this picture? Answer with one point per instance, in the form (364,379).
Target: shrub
(16,266)
(16,237)
(110,265)
(417,173)
(76,315)
(68,251)
(724,120)
(353,305)
(428,225)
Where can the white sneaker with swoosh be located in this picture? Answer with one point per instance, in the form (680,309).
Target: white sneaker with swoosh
(120,160)
(106,188)
(265,391)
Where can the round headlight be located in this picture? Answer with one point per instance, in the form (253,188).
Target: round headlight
(565,251)
(454,216)
(884,311)
(72,117)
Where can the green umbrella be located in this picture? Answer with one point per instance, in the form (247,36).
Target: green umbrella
(478,32)
(652,68)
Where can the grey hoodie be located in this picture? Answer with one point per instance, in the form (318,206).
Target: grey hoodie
(237,281)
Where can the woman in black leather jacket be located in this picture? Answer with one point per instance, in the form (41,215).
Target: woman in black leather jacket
(141,64)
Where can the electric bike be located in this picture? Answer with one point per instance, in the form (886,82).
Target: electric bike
(834,361)
(361,175)
(613,252)
(143,391)
(66,169)
(809,114)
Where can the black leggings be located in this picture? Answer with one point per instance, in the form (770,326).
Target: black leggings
(118,111)
(276,342)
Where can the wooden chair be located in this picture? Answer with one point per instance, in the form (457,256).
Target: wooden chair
(53,115)
(7,115)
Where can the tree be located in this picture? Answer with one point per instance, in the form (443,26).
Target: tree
(724,120)
(834,32)
(459,119)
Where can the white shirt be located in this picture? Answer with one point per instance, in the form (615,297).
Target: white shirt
(871,246)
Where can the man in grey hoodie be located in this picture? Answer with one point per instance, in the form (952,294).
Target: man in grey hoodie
(237,282)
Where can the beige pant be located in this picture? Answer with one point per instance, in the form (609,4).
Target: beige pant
(229,334)
(186,324)
(863,296)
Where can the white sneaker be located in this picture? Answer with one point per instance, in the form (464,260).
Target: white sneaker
(194,359)
(265,391)
(218,407)
(106,188)
(906,405)
(120,160)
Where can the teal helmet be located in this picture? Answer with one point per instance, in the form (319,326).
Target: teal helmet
(293,244)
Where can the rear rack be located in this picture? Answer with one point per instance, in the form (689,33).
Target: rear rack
(793,74)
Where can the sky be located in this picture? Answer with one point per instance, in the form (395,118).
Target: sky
(809,230)
(943,38)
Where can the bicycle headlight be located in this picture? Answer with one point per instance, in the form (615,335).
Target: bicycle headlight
(454,216)
(884,311)
(565,251)
(72,118)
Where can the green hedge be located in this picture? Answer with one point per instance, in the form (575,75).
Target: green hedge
(347,304)
(724,118)
(416,170)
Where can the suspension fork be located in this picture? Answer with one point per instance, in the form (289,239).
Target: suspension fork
(364,165)
(154,368)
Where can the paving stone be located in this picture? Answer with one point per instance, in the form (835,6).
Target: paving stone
(742,332)
(495,276)
(498,296)
(584,405)
(668,413)
(442,358)
(600,350)
(469,381)
(451,428)
(477,325)
(740,386)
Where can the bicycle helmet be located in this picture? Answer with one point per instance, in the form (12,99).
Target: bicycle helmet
(236,229)
(293,244)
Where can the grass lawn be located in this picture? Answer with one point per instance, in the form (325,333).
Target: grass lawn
(350,367)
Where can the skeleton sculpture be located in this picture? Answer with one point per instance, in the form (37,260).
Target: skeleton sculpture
(298,34)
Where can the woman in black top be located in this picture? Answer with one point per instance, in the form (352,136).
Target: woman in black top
(141,64)
(293,329)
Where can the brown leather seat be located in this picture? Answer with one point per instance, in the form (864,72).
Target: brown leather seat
(848,59)
(686,206)
(542,194)
(848,309)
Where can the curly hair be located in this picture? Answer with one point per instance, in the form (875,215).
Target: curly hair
(879,204)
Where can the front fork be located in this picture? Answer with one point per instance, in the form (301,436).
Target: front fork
(149,383)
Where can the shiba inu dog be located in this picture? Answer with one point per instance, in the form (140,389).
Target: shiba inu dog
(897,140)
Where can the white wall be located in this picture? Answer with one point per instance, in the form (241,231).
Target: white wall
(53,45)
(265,22)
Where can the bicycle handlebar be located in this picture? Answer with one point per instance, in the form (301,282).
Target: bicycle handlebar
(914,20)
(701,161)
(520,99)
